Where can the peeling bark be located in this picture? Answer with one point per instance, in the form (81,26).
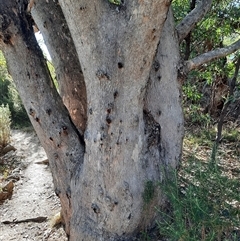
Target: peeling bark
(50,20)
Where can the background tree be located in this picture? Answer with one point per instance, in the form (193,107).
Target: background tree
(117,124)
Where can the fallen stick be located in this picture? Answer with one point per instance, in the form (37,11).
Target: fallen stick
(36,220)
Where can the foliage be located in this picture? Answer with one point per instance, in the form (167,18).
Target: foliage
(10,97)
(3,67)
(200,137)
(204,203)
(117,2)
(232,135)
(221,23)
(52,73)
(191,92)
(5,115)
(19,114)
(145,236)
(195,115)
(5,122)
(219,28)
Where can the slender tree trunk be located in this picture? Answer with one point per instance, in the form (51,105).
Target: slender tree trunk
(50,20)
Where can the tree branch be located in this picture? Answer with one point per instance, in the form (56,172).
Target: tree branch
(232,85)
(189,22)
(209,56)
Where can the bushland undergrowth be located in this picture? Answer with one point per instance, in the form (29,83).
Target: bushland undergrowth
(204,202)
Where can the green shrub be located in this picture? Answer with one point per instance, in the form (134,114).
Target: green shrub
(191,93)
(203,204)
(9,96)
(18,112)
(194,115)
(5,122)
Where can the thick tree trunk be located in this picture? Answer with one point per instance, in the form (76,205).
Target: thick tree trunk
(128,139)
(135,126)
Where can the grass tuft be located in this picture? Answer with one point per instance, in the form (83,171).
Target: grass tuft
(203,203)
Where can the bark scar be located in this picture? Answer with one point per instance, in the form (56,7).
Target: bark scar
(152,130)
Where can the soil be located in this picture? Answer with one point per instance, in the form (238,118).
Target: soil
(33,205)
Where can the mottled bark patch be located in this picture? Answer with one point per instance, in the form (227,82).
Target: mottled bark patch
(152,130)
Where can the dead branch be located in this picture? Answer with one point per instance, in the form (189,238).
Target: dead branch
(39,219)
(191,19)
(209,56)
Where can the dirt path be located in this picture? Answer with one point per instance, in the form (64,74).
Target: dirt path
(33,195)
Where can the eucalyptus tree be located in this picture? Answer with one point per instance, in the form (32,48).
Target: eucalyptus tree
(116,125)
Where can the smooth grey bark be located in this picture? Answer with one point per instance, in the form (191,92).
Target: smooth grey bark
(135,123)
(108,192)
(50,20)
(62,142)
(124,145)
(163,97)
